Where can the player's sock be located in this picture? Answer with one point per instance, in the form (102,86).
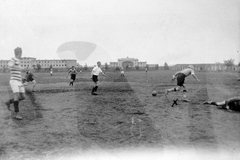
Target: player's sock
(96,87)
(16,108)
(93,90)
(8,103)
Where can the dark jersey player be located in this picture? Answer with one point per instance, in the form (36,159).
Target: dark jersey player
(229,104)
(72,73)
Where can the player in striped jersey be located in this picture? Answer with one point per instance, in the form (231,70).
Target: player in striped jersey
(73,73)
(16,82)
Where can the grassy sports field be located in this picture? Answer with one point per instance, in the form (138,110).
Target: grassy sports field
(64,122)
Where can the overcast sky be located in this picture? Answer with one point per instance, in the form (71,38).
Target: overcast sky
(156,31)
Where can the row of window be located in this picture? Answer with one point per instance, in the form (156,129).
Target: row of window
(57,65)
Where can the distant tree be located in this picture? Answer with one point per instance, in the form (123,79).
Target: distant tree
(229,62)
(85,68)
(39,67)
(106,66)
(51,67)
(166,67)
(157,67)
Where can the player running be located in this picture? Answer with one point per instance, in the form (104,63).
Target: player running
(180,76)
(73,73)
(30,77)
(229,104)
(16,83)
(94,76)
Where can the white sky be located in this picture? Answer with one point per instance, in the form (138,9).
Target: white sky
(156,31)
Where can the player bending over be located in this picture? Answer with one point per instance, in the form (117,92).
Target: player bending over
(229,104)
(30,77)
(73,73)
(94,76)
(180,76)
(16,83)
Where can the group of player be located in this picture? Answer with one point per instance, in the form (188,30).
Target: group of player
(17,83)
(229,104)
(18,89)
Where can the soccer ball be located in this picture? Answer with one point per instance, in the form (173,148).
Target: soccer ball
(154,93)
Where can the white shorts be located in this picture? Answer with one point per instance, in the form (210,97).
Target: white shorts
(17,86)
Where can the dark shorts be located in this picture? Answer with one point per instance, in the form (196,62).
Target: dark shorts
(235,105)
(95,78)
(73,77)
(29,79)
(180,79)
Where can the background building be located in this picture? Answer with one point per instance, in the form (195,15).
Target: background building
(30,62)
(207,67)
(56,63)
(128,62)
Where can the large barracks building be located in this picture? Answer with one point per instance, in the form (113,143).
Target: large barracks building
(29,62)
(131,62)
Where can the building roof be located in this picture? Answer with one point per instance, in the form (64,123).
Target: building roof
(198,65)
(128,59)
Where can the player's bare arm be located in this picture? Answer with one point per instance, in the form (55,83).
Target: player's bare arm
(104,74)
(195,77)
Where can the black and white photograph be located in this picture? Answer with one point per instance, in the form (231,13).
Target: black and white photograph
(119,79)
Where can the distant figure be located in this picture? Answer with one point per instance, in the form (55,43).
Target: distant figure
(94,76)
(122,73)
(16,83)
(181,75)
(30,77)
(146,70)
(73,73)
(229,104)
(51,71)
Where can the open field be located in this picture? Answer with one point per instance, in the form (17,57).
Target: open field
(124,120)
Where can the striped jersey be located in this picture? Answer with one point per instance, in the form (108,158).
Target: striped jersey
(15,69)
(72,71)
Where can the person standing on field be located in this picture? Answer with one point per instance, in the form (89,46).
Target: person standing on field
(16,83)
(122,73)
(72,73)
(180,76)
(94,76)
(30,77)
